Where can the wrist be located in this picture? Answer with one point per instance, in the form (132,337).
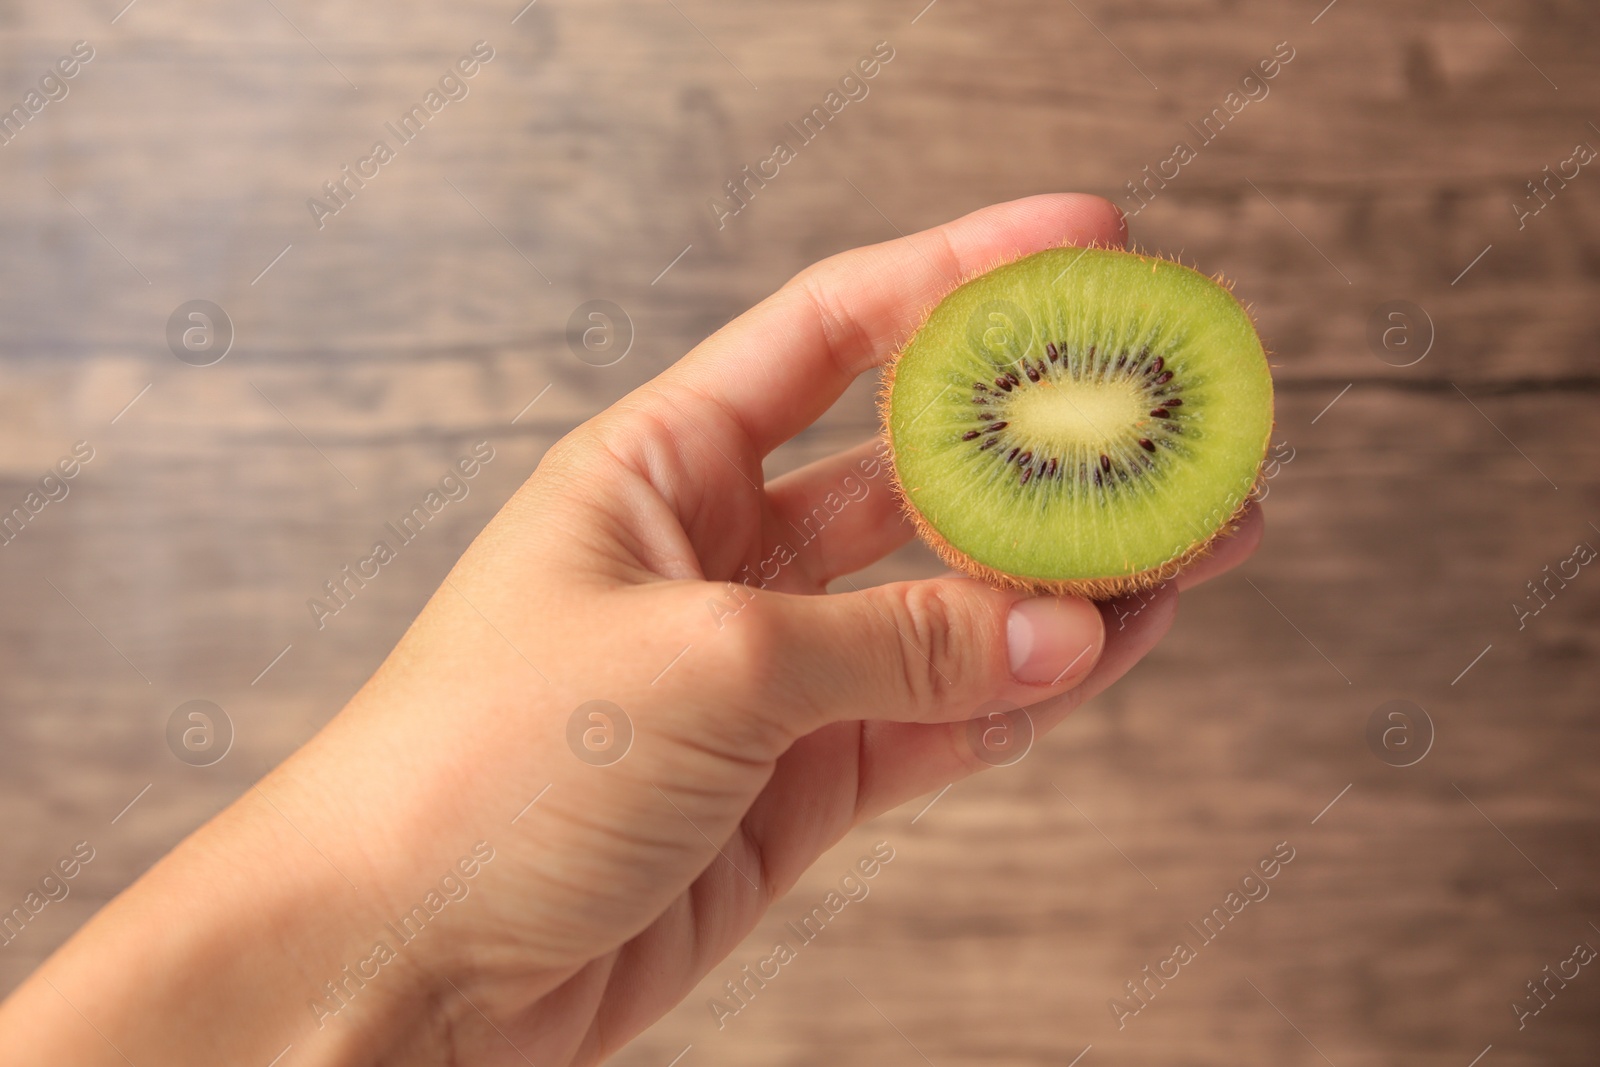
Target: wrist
(241,943)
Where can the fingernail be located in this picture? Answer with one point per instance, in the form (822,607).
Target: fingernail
(1053,639)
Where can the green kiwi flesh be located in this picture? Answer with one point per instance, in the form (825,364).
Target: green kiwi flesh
(1082,421)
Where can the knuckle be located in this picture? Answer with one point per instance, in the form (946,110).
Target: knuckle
(749,644)
(842,332)
(736,699)
(926,620)
(569,457)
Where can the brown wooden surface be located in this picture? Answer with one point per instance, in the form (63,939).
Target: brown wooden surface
(1395,141)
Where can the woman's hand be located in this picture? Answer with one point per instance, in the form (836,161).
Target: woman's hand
(646,563)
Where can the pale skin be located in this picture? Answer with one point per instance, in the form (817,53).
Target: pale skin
(783,726)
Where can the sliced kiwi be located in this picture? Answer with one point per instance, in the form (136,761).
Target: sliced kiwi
(1080,421)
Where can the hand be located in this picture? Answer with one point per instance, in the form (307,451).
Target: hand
(766,723)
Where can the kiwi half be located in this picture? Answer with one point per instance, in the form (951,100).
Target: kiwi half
(1082,421)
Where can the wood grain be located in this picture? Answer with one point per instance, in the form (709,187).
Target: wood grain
(430,311)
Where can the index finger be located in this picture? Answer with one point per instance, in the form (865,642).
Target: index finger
(779,366)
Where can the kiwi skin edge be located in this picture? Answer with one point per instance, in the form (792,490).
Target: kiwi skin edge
(1108,587)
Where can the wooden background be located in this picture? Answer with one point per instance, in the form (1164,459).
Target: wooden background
(432,310)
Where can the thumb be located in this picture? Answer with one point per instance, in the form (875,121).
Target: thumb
(937,650)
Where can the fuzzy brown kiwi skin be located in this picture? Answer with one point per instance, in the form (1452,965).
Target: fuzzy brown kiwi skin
(1108,587)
